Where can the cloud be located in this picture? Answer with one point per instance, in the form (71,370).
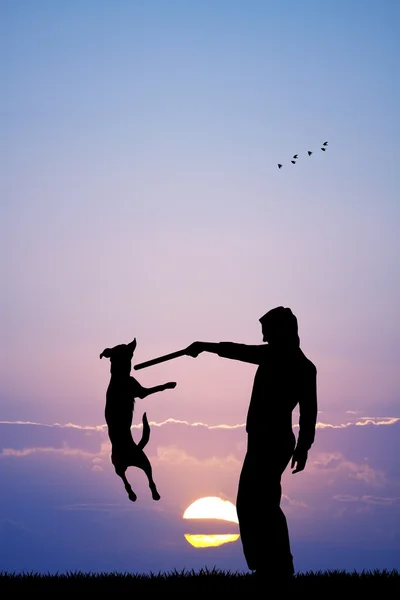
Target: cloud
(377,421)
(43,450)
(172,455)
(346,498)
(381,501)
(335,461)
(200,443)
(65,451)
(59,425)
(292,503)
(98,507)
(195,424)
(367,499)
(361,422)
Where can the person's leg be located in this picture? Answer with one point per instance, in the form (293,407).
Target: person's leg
(262,523)
(281,561)
(247,507)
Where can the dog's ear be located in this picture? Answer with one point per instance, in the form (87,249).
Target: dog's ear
(106,353)
(132,345)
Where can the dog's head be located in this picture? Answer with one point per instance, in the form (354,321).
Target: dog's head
(120,356)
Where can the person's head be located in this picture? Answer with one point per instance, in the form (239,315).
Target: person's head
(279,327)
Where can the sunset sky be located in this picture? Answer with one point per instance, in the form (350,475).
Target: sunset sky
(140,197)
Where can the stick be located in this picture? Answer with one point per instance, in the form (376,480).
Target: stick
(160,359)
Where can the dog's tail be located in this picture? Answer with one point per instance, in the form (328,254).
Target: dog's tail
(146,432)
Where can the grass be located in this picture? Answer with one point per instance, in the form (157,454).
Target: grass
(213,582)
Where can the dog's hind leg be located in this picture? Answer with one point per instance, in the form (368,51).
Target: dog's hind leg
(146,467)
(131,494)
(144,461)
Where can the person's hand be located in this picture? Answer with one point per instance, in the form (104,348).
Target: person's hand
(299,460)
(170,385)
(194,349)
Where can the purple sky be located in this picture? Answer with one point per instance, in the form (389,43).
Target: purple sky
(141,198)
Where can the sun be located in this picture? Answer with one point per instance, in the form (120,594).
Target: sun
(212,507)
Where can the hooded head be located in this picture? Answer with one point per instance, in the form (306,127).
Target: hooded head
(279,327)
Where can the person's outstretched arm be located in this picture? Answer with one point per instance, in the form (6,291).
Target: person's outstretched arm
(232,350)
(307,421)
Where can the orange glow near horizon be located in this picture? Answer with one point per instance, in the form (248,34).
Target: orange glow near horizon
(207,541)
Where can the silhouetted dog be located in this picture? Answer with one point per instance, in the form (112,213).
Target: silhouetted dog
(120,400)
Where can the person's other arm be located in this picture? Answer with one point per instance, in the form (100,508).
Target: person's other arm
(243,352)
(307,421)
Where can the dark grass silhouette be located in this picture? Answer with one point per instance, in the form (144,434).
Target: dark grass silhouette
(211,581)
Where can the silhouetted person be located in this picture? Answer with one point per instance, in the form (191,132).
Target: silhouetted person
(285,377)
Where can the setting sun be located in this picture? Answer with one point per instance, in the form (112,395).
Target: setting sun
(211,507)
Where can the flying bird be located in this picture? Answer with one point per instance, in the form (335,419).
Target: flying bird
(309,152)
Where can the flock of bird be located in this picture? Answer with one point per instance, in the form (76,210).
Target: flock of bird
(309,152)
